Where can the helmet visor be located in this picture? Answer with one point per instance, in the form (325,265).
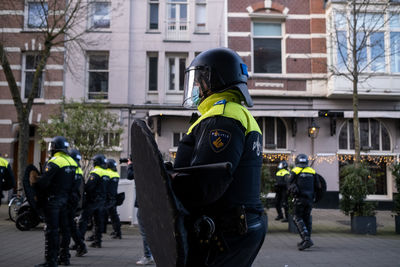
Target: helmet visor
(196,80)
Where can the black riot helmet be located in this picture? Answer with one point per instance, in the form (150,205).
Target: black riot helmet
(282,165)
(301,161)
(213,71)
(99,160)
(112,164)
(58,143)
(76,155)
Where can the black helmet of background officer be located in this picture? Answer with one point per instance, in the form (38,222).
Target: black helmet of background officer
(58,143)
(76,155)
(213,71)
(99,160)
(112,164)
(301,161)
(282,165)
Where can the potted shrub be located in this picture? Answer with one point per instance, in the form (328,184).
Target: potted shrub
(356,183)
(396,197)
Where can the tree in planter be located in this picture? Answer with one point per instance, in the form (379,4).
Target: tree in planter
(90,128)
(356,184)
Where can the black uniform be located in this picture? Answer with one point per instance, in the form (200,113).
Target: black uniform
(95,197)
(281,197)
(226,132)
(56,186)
(302,183)
(111,206)
(7,180)
(73,206)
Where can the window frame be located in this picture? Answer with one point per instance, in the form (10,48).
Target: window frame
(177,29)
(181,134)
(276,148)
(177,58)
(197,29)
(88,70)
(348,131)
(23,76)
(26,16)
(268,20)
(91,8)
(152,55)
(149,4)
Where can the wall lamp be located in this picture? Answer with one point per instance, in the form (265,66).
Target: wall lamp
(313,129)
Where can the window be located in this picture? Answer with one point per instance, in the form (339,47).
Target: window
(395,43)
(274,131)
(177,20)
(153,71)
(111,139)
(98,75)
(176,72)
(370,41)
(201,16)
(153,14)
(99,15)
(373,136)
(267,47)
(176,138)
(30,63)
(37,15)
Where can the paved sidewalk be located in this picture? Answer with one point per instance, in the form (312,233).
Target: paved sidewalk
(334,245)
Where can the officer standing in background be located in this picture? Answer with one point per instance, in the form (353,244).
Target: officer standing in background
(216,83)
(55,186)
(111,205)
(301,187)
(7,180)
(74,204)
(281,197)
(95,197)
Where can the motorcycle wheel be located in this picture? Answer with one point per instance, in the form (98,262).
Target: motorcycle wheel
(24,221)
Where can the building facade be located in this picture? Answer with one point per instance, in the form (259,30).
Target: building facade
(290,49)
(21,26)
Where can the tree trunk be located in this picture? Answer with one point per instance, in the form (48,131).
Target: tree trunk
(356,124)
(23,146)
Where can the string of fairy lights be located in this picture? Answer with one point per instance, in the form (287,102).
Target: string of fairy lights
(330,159)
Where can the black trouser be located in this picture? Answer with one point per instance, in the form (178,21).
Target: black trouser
(74,231)
(95,209)
(56,219)
(302,217)
(281,199)
(111,211)
(240,250)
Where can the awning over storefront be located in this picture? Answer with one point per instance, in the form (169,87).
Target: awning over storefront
(374,114)
(285,113)
(171,112)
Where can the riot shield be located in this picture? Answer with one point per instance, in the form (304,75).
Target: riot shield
(160,211)
(31,176)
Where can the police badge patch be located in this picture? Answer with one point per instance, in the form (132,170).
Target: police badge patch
(219,139)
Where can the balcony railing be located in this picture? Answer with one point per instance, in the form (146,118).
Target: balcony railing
(177,30)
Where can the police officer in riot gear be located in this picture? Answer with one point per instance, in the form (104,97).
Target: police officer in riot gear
(111,204)
(7,180)
(301,187)
(55,186)
(281,198)
(74,204)
(226,224)
(95,197)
